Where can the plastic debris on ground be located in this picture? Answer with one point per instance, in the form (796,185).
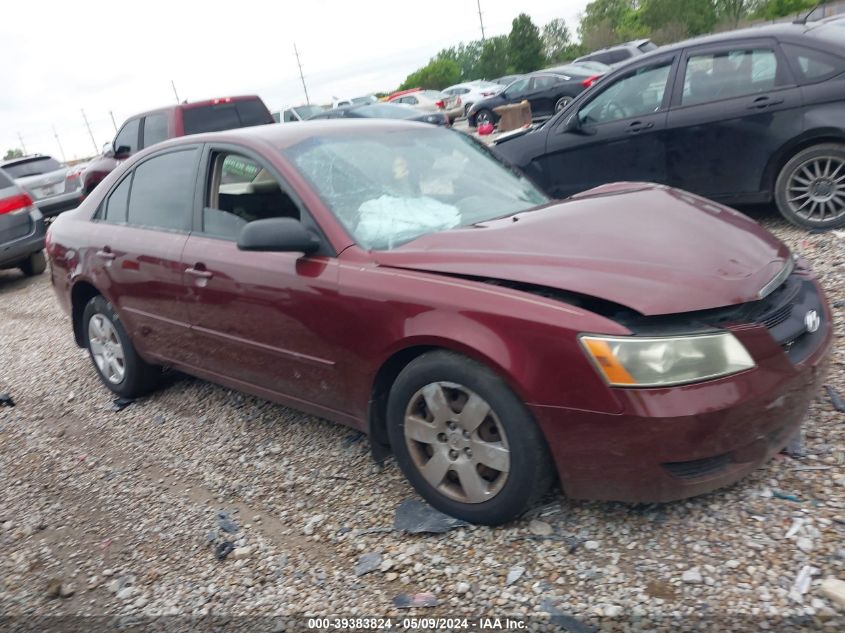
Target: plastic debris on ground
(121,403)
(802,582)
(225,522)
(410,601)
(6,400)
(786,497)
(223,550)
(835,399)
(389,220)
(417,517)
(564,621)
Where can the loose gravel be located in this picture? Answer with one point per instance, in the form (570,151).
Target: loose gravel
(128,513)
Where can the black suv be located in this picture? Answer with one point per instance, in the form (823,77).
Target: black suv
(745,117)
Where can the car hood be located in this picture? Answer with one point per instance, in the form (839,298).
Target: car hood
(650,248)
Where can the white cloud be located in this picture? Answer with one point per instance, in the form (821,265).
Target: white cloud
(61,57)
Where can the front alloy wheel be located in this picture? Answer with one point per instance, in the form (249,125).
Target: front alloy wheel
(457,442)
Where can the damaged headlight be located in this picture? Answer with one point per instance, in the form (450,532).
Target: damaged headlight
(665,361)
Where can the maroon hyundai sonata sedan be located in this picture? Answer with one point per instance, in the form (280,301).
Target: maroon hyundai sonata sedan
(638,342)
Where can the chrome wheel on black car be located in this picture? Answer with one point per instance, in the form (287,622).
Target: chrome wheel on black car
(810,190)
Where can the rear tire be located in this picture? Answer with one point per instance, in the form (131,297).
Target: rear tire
(484,116)
(112,353)
(35,264)
(464,440)
(810,189)
(562,103)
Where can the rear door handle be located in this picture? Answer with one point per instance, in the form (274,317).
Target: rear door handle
(761,103)
(638,126)
(105,253)
(199,272)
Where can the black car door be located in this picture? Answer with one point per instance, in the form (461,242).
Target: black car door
(734,106)
(541,95)
(615,134)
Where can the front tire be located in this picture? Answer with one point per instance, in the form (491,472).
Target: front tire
(112,353)
(484,116)
(464,441)
(810,189)
(562,103)
(35,264)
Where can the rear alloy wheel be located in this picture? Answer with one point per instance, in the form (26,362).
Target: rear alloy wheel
(35,264)
(465,441)
(115,359)
(810,191)
(562,103)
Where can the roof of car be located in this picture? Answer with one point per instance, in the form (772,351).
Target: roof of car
(188,105)
(23,159)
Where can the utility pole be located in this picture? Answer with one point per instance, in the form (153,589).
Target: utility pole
(23,147)
(90,133)
(172,83)
(301,76)
(480,19)
(111,114)
(59,143)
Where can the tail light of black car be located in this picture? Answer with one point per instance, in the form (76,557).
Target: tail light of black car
(589,81)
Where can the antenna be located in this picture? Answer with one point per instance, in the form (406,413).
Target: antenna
(175,94)
(301,76)
(59,143)
(812,11)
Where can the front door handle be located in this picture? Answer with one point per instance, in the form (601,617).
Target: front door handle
(761,103)
(199,272)
(638,126)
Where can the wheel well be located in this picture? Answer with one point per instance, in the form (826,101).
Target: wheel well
(783,157)
(80,295)
(385,377)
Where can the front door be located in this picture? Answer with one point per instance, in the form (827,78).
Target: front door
(618,135)
(267,320)
(138,243)
(735,108)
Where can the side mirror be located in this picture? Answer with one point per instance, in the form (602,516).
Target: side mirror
(574,125)
(108,150)
(281,235)
(122,151)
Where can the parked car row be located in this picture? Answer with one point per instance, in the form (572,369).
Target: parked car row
(751,116)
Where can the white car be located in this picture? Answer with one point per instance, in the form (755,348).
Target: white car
(473,91)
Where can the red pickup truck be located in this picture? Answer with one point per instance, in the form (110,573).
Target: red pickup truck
(154,126)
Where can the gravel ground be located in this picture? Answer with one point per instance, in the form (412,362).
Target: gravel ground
(116,513)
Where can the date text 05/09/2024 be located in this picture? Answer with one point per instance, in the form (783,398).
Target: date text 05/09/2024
(415,624)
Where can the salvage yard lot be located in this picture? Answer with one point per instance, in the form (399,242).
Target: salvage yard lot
(116,508)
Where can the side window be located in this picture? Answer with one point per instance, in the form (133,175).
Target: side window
(163,191)
(811,65)
(128,135)
(155,129)
(633,95)
(729,74)
(239,191)
(518,87)
(118,202)
(542,82)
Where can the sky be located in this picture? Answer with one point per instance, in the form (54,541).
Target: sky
(103,57)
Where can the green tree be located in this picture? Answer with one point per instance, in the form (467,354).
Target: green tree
(608,22)
(436,75)
(494,58)
(557,41)
(684,18)
(771,9)
(732,12)
(13,153)
(466,56)
(525,48)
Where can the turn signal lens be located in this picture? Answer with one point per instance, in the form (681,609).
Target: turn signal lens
(665,361)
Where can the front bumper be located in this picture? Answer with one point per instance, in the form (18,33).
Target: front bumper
(679,442)
(64,202)
(16,251)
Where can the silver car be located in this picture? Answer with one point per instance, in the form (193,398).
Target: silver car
(21,229)
(53,186)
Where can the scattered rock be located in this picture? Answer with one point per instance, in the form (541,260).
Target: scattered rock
(804,544)
(591,545)
(514,574)
(564,621)
(54,588)
(391,576)
(126,593)
(367,563)
(223,550)
(312,524)
(462,587)
(386,564)
(540,528)
(121,403)
(834,589)
(242,552)
(416,517)
(226,523)
(692,576)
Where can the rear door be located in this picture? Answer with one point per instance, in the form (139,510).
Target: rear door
(734,106)
(137,245)
(541,94)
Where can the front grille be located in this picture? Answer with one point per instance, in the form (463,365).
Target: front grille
(698,468)
(778,316)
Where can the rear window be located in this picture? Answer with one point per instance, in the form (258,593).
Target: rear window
(225,116)
(33,167)
(813,65)
(5,181)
